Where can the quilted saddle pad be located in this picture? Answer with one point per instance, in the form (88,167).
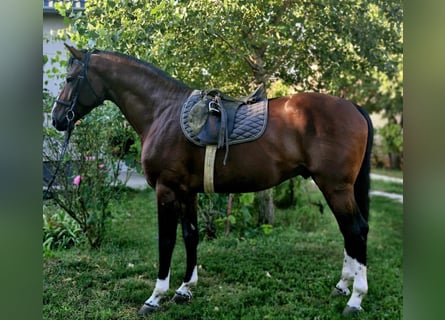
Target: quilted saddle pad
(249,123)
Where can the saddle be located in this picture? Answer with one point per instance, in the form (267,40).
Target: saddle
(210,117)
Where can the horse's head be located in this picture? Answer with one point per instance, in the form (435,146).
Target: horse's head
(81,93)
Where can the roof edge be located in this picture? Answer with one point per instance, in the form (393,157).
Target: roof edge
(48,6)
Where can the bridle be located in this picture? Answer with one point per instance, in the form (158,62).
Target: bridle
(70,115)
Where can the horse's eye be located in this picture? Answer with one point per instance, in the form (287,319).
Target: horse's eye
(69,79)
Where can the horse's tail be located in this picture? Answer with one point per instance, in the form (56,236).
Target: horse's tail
(363,181)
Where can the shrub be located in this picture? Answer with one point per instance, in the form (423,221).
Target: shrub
(301,207)
(242,220)
(89,175)
(60,231)
(212,211)
(392,143)
(301,202)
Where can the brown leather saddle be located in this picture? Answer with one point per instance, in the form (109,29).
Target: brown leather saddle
(211,117)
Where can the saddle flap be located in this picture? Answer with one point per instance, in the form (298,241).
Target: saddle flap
(210,131)
(198,115)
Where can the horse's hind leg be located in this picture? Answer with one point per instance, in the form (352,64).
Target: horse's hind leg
(190,234)
(354,229)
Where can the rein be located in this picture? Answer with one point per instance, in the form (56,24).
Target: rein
(70,115)
(62,154)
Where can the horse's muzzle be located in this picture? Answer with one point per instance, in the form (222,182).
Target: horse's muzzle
(60,125)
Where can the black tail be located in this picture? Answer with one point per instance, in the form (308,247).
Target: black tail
(363,182)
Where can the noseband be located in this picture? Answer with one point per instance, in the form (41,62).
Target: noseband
(70,115)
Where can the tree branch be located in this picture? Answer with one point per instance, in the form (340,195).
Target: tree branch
(247,59)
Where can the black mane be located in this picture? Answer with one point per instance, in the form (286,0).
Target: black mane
(143,63)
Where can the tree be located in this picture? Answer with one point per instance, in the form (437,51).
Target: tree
(334,46)
(330,45)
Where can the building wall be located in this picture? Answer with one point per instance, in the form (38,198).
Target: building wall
(51,24)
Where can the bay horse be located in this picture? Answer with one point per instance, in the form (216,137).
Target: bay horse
(313,135)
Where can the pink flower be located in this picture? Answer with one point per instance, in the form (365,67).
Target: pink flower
(77,180)
(90,158)
(101,166)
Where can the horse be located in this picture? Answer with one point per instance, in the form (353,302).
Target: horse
(314,135)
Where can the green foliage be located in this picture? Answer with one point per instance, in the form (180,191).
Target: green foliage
(243,218)
(215,220)
(211,212)
(338,45)
(288,193)
(392,135)
(89,175)
(60,231)
(303,207)
(279,89)
(302,204)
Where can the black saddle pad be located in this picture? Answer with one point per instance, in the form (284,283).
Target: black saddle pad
(249,124)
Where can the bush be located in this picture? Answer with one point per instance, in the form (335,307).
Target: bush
(302,203)
(212,211)
(392,144)
(89,175)
(60,231)
(295,196)
(243,220)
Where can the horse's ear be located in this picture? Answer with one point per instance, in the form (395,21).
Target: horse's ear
(76,53)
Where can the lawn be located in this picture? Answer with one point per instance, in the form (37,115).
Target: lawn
(391,187)
(287,274)
(388,172)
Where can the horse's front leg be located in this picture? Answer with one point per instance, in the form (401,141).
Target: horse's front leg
(190,234)
(167,224)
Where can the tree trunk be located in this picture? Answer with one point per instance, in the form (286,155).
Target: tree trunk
(394,161)
(265,207)
(263,199)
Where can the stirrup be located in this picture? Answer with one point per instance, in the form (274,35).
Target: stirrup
(214,107)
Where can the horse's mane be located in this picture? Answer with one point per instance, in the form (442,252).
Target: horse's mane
(140,62)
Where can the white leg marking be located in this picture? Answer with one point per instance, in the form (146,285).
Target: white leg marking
(360,286)
(353,271)
(161,288)
(347,275)
(184,289)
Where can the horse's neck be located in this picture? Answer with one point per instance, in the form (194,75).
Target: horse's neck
(144,97)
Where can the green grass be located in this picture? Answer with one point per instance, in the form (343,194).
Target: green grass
(392,187)
(388,172)
(288,274)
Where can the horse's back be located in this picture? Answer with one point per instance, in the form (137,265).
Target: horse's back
(316,110)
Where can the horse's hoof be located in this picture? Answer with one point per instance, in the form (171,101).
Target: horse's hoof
(351,311)
(147,309)
(336,292)
(181,297)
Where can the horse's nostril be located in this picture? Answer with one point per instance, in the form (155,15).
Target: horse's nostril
(54,123)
